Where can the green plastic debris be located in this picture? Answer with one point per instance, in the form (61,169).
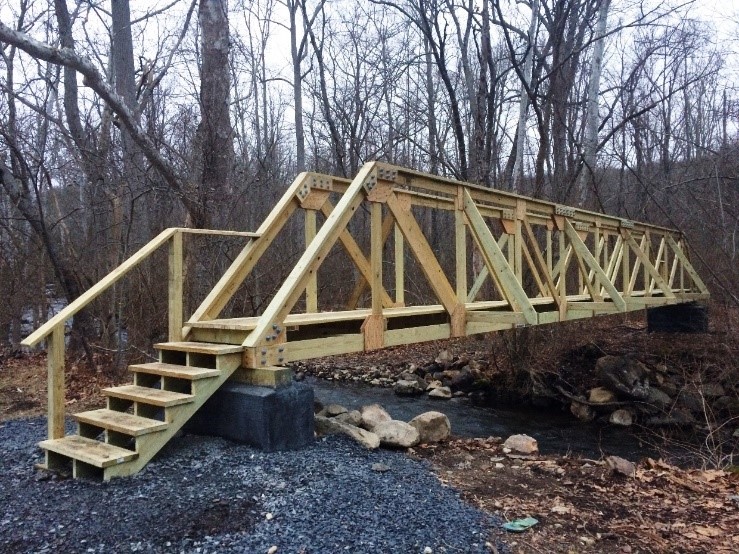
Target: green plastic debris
(520,525)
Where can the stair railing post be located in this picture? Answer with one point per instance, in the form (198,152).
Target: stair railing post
(55,381)
(175,287)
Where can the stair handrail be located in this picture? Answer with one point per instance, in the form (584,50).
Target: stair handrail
(53,329)
(98,288)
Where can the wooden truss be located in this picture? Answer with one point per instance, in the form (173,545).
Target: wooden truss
(540,263)
(548,263)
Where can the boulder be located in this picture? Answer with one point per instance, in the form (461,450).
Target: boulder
(658,398)
(624,375)
(521,444)
(463,380)
(601,395)
(352,418)
(405,387)
(434,384)
(583,412)
(620,465)
(332,410)
(443,393)
(621,417)
(373,415)
(431,426)
(398,434)
(329,426)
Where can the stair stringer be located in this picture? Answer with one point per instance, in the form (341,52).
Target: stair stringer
(147,446)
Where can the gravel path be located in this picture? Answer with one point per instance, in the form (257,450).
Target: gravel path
(210,495)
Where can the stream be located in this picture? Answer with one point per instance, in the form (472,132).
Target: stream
(556,433)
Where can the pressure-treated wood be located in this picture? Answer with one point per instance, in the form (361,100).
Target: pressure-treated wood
(547,263)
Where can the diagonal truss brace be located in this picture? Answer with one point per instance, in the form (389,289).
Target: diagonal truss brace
(497,262)
(584,254)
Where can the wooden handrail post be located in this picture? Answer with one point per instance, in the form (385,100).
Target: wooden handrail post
(175,287)
(55,381)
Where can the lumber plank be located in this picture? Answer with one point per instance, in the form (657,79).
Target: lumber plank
(175,371)
(121,422)
(648,267)
(146,395)
(55,382)
(176,283)
(199,347)
(587,257)
(687,265)
(98,454)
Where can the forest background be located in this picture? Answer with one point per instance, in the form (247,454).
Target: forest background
(119,119)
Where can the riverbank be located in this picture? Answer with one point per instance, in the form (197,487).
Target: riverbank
(678,392)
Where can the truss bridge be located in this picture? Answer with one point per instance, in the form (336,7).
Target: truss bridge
(497,261)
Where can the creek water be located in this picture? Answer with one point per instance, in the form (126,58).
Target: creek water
(556,432)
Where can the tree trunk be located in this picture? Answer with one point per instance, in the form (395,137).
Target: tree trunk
(215,125)
(590,143)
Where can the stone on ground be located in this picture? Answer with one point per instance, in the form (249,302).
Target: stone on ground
(327,426)
(332,410)
(620,465)
(624,375)
(521,444)
(583,412)
(406,387)
(373,415)
(601,395)
(398,434)
(351,418)
(621,417)
(443,393)
(432,426)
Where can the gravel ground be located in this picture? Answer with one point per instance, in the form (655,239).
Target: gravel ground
(210,495)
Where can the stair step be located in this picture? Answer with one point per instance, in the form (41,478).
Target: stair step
(89,451)
(155,397)
(176,371)
(200,347)
(121,422)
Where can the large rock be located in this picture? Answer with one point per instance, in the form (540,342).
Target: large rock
(463,380)
(406,387)
(351,418)
(624,375)
(621,417)
(398,434)
(521,444)
(620,465)
(658,398)
(373,415)
(432,426)
(601,395)
(443,393)
(332,410)
(330,426)
(583,412)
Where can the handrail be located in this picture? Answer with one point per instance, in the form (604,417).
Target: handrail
(98,288)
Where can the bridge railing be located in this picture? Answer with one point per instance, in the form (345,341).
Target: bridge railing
(53,331)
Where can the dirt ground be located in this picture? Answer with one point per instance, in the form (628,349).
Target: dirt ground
(581,505)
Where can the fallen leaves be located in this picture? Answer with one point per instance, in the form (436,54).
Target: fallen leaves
(662,508)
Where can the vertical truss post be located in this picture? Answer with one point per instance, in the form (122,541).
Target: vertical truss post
(311,288)
(399,257)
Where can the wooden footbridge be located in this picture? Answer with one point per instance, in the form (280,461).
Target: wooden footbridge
(536,263)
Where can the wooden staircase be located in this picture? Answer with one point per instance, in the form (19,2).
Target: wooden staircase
(142,417)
